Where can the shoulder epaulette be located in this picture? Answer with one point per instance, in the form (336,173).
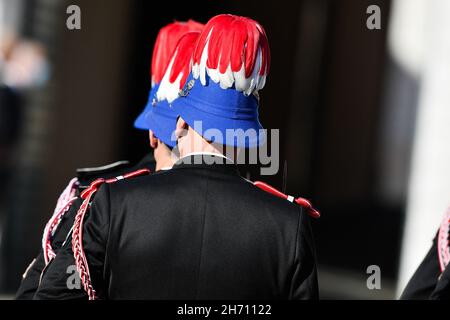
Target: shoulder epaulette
(88,175)
(443,244)
(77,240)
(108,167)
(300,201)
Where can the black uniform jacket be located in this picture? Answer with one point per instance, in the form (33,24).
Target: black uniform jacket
(32,275)
(428,282)
(198,231)
(424,280)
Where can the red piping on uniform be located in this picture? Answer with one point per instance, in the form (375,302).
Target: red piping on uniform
(300,201)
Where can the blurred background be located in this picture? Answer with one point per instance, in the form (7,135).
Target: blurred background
(364,117)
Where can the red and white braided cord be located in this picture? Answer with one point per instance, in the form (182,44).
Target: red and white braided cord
(77,245)
(77,235)
(63,204)
(443,242)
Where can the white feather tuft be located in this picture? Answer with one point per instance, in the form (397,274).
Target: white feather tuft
(241,83)
(227,79)
(167,90)
(213,74)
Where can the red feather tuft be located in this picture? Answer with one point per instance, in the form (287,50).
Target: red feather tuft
(183,57)
(165,44)
(179,68)
(233,49)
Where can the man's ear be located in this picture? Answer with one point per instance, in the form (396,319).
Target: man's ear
(181,128)
(153,139)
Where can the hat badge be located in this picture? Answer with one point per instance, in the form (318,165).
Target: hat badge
(185,91)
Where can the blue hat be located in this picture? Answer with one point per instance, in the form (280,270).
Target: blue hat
(229,66)
(227,116)
(140,123)
(158,117)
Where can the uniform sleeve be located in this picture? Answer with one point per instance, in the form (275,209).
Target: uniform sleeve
(32,275)
(31,278)
(304,282)
(60,279)
(424,280)
(442,290)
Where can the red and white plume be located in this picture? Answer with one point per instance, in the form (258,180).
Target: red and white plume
(179,68)
(166,43)
(233,50)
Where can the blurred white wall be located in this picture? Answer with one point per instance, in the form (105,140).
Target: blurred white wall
(420,41)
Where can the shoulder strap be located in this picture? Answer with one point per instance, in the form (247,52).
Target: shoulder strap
(77,235)
(65,200)
(105,168)
(300,201)
(443,244)
(88,175)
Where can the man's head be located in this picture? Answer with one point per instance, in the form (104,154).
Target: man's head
(220,100)
(157,118)
(161,152)
(190,141)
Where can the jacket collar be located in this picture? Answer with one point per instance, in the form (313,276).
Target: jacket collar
(148,161)
(206,160)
